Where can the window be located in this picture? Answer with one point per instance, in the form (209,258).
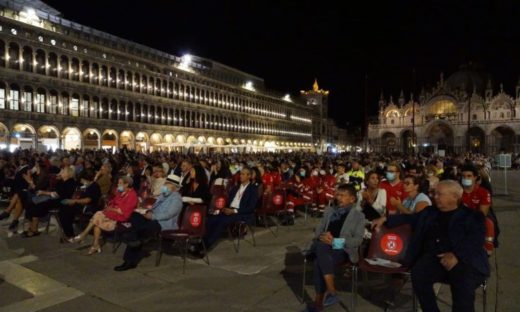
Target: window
(15,100)
(474,117)
(53,101)
(27,103)
(39,102)
(74,107)
(2,98)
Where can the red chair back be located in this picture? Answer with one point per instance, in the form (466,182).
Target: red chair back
(218,201)
(272,202)
(217,189)
(390,244)
(193,220)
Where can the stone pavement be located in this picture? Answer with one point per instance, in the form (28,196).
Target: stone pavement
(40,274)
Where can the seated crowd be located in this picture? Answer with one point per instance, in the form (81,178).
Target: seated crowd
(447,201)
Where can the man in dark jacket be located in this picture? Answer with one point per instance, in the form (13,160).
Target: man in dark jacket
(447,246)
(242,204)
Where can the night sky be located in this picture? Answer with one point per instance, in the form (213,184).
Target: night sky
(289,43)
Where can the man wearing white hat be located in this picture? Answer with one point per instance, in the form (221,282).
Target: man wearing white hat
(162,216)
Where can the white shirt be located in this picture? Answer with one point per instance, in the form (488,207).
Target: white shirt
(238,196)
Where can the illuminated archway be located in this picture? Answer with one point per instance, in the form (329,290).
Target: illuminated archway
(91,139)
(71,138)
(4,136)
(155,140)
(23,136)
(109,140)
(141,142)
(48,138)
(126,139)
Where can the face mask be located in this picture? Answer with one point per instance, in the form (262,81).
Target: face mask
(165,190)
(467,182)
(120,189)
(302,173)
(314,173)
(430,174)
(390,176)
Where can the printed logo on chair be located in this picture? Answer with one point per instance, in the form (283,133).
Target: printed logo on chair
(391,244)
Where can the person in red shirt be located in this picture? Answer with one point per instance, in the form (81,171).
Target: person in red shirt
(393,186)
(267,180)
(478,198)
(118,209)
(326,189)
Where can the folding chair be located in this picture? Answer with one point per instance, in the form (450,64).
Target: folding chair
(272,204)
(240,227)
(388,244)
(192,226)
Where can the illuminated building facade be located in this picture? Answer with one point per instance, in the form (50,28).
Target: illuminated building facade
(65,85)
(463,113)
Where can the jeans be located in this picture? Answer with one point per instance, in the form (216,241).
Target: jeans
(326,260)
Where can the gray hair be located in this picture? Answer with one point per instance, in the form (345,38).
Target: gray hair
(127,180)
(453,186)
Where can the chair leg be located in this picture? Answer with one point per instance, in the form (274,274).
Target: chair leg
(184,255)
(230,235)
(206,256)
(115,242)
(159,253)
(354,287)
(47,226)
(303,279)
(60,229)
(484,296)
(251,228)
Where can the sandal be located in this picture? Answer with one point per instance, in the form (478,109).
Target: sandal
(29,234)
(93,250)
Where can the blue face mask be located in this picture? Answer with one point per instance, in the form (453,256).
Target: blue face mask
(467,182)
(120,189)
(390,176)
(302,173)
(165,190)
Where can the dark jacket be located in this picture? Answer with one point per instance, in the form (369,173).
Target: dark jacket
(466,231)
(248,201)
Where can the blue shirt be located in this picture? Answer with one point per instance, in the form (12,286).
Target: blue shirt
(410,203)
(166,210)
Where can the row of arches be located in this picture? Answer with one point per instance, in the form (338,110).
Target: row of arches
(41,100)
(441,136)
(443,107)
(53,64)
(49,137)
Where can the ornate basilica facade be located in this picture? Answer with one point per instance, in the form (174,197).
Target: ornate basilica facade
(463,113)
(65,85)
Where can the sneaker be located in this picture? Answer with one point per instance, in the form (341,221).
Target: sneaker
(331,300)
(13,227)
(4,215)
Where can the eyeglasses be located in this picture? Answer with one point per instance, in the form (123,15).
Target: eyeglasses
(394,171)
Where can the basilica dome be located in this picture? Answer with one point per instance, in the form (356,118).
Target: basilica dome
(468,77)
